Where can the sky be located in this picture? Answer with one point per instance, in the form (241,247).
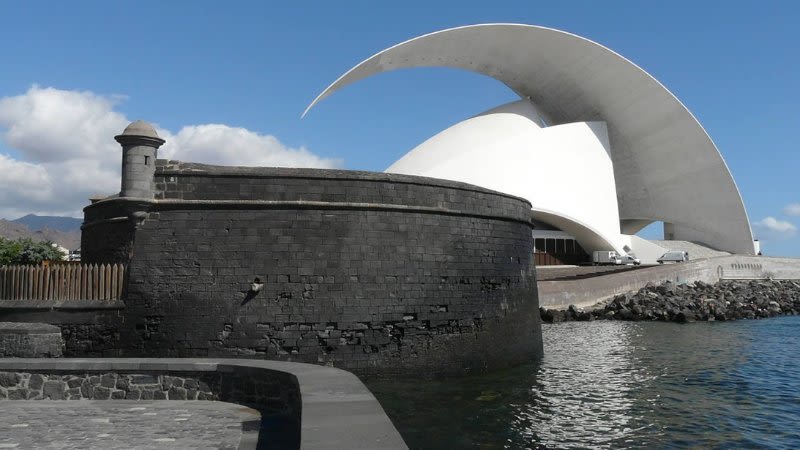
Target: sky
(226,83)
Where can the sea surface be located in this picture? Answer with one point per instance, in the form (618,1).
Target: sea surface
(619,385)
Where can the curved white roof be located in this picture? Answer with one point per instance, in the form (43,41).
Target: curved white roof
(666,166)
(565,171)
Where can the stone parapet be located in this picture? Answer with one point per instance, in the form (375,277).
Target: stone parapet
(176,180)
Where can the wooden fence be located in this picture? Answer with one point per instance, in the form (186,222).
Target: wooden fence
(62,282)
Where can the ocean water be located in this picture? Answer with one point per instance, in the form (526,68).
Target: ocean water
(619,385)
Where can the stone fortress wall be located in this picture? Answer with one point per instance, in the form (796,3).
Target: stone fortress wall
(375,273)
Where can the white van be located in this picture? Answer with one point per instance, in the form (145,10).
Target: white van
(675,257)
(629,259)
(606,257)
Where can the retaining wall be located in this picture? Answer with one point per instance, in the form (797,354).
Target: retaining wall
(30,340)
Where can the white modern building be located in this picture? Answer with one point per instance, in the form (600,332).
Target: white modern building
(635,153)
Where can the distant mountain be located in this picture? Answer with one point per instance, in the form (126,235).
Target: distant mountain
(34,222)
(15,230)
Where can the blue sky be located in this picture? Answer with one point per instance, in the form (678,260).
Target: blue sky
(241,73)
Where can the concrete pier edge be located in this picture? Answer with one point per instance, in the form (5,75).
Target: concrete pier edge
(337,410)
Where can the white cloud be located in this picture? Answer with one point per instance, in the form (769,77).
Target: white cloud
(66,150)
(51,125)
(23,179)
(773,228)
(221,144)
(792,209)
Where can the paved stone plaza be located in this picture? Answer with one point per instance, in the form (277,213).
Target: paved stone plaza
(117,424)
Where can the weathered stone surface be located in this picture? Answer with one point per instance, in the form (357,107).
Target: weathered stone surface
(122,383)
(168,381)
(8,379)
(108,380)
(101,393)
(54,390)
(133,395)
(144,379)
(95,339)
(74,393)
(87,389)
(18,394)
(77,386)
(177,393)
(30,340)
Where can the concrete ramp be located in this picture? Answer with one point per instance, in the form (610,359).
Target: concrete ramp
(586,292)
(696,250)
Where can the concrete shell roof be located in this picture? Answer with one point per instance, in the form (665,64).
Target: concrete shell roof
(666,166)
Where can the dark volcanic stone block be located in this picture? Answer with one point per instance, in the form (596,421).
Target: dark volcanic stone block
(108,380)
(8,379)
(35,382)
(144,379)
(54,390)
(18,394)
(101,393)
(177,393)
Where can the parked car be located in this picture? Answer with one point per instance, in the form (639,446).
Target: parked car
(674,257)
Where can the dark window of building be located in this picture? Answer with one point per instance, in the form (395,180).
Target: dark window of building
(146,160)
(539,245)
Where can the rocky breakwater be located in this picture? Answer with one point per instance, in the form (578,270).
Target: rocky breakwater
(670,302)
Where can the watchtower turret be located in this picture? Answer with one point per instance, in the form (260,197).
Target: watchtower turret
(140,144)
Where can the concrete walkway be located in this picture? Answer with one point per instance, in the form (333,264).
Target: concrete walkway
(559,293)
(121,424)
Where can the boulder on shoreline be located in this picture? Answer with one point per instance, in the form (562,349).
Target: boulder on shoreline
(684,303)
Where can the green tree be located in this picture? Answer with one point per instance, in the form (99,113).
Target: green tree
(9,250)
(27,251)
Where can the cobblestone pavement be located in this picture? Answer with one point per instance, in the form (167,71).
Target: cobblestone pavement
(117,424)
